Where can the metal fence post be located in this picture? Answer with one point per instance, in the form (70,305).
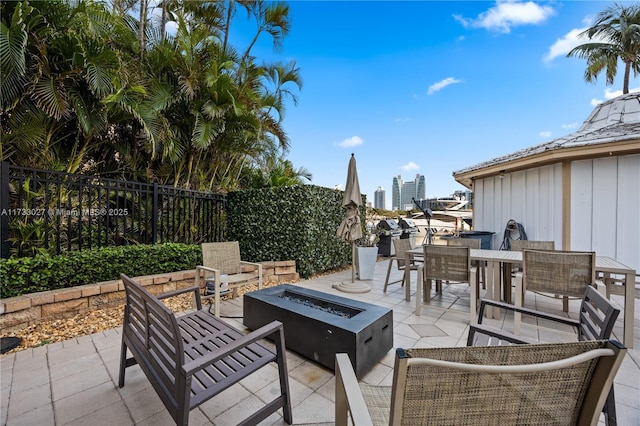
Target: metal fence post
(154,216)
(4,210)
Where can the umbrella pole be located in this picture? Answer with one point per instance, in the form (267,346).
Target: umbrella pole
(353,287)
(353,262)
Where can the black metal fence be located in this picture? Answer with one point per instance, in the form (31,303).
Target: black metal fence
(56,212)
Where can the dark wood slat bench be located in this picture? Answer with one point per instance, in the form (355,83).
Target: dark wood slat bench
(191,358)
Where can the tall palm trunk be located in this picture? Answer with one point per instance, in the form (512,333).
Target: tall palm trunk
(627,72)
(163,20)
(141,27)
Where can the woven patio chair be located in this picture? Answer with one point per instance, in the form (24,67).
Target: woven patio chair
(224,258)
(472,243)
(558,273)
(520,245)
(401,246)
(550,384)
(595,322)
(446,263)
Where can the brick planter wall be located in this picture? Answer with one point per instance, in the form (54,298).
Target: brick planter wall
(19,312)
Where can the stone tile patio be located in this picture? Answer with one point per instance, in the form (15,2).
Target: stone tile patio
(75,382)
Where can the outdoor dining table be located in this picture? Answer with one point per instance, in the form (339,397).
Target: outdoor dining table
(499,263)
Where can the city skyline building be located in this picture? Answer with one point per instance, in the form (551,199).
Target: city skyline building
(379,196)
(395,192)
(403,192)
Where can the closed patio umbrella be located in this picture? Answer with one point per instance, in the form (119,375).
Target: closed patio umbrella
(350,228)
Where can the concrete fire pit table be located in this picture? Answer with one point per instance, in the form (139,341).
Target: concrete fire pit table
(318,325)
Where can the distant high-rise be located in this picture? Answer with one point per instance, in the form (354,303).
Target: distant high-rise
(379,199)
(403,192)
(395,192)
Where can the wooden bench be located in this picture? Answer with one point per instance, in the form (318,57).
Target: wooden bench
(191,358)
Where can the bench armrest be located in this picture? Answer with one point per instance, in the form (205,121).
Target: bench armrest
(192,367)
(348,395)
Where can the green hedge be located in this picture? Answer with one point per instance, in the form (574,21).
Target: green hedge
(44,272)
(290,223)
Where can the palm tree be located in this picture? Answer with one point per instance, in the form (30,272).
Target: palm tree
(615,35)
(83,84)
(56,67)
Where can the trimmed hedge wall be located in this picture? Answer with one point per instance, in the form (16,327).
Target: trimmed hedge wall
(44,272)
(290,223)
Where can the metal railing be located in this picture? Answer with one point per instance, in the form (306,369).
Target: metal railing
(53,211)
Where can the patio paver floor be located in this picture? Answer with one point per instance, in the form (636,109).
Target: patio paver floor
(75,382)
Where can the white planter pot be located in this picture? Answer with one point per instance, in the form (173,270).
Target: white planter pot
(366,258)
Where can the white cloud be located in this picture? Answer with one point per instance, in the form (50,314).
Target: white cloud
(546,134)
(507,14)
(401,120)
(351,142)
(410,166)
(442,84)
(570,126)
(171,27)
(610,94)
(563,45)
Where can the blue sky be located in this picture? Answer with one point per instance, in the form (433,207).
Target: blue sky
(431,87)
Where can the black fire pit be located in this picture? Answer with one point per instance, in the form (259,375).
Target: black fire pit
(318,325)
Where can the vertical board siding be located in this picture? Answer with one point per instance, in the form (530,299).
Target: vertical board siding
(605,206)
(532,198)
(581,205)
(628,213)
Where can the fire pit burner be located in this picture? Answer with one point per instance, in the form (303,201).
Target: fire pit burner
(332,308)
(318,325)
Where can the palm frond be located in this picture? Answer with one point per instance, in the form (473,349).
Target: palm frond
(48,95)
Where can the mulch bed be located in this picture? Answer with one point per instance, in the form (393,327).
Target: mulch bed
(100,320)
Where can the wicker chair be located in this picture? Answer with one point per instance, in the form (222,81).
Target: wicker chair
(224,258)
(559,273)
(472,243)
(446,263)
(595,322)
(521,245)
(401,246)
(559,383)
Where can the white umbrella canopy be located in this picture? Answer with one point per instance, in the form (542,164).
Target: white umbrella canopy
(350,229)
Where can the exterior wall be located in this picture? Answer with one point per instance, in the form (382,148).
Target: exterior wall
(532,198)
(604,209)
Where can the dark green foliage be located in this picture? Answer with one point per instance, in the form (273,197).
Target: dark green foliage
(290,223)
(44,272)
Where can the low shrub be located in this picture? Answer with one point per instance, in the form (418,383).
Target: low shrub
(45,272)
